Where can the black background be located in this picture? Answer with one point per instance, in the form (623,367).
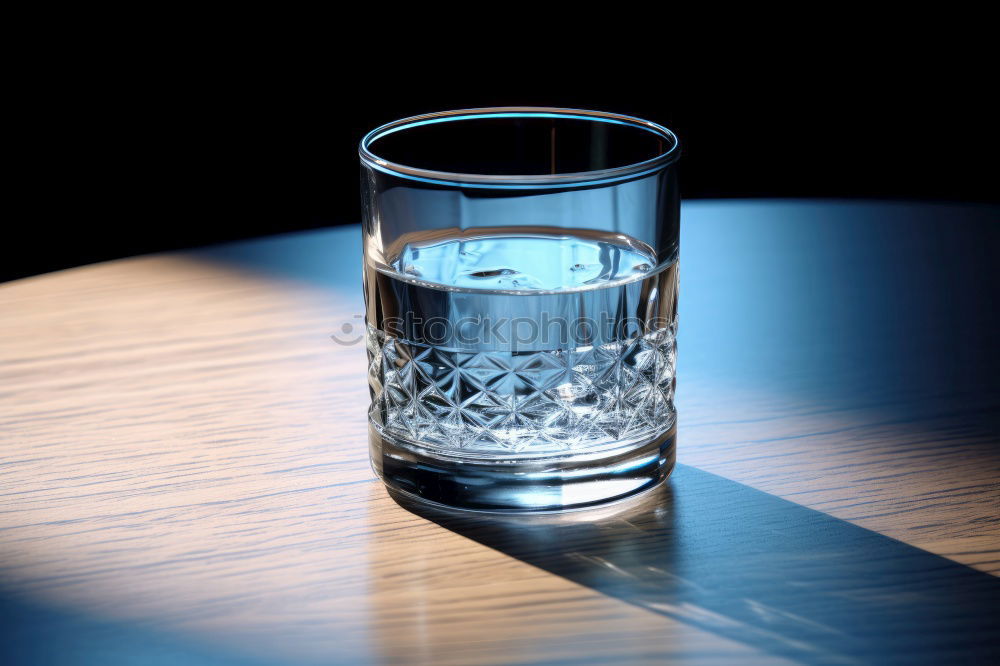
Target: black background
(144,143)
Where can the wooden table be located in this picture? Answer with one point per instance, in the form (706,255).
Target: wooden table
(184,473)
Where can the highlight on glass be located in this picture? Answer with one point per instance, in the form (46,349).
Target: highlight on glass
(520,283)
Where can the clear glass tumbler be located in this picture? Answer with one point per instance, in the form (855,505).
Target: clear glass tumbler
(521,296)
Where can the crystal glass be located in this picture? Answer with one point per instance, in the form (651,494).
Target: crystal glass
(521,297)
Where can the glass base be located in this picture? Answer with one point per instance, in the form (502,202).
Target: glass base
(552,483)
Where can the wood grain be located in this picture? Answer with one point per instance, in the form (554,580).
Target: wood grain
(184,450)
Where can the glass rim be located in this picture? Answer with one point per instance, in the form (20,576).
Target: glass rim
(519,181)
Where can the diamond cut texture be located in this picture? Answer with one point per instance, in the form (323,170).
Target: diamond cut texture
(541,402)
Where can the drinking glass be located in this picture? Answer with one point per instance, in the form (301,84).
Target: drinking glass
(521,296)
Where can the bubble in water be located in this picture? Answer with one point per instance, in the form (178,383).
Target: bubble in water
(496,272)
(578,267)
(641,268)
(517,280)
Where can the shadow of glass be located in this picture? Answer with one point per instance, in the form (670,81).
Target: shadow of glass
(752,567)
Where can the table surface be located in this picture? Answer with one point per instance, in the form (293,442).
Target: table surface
(184,473)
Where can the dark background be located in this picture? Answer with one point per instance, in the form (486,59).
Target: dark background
(142,144)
